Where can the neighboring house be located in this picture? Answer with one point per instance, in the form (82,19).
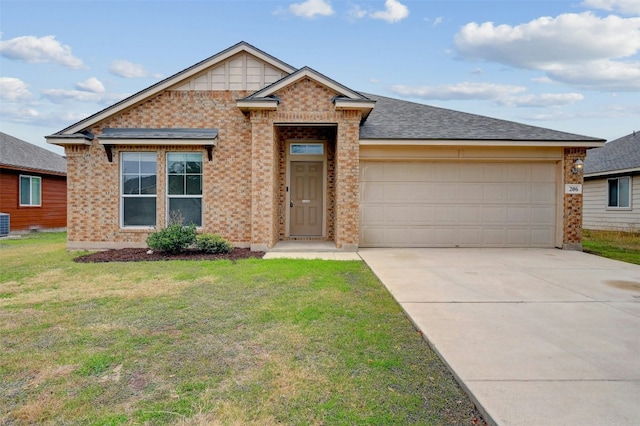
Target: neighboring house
(33,186)
(247,146)
(612,185)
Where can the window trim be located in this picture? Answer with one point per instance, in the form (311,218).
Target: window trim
(169,196)
(630,193)
(122,195)
(31,180)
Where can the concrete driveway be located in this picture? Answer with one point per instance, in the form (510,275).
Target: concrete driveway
(536,336)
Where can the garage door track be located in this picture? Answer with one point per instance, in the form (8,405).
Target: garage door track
(536,336)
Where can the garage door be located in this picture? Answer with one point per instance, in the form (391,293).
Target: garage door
(457,204)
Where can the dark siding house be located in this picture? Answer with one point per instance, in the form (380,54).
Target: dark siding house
(33,186)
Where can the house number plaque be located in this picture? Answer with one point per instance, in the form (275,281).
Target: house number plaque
(573,188)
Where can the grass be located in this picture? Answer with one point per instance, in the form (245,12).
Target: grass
(257,342)
(624,246)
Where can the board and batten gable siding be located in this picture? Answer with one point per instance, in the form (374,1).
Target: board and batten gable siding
(596,214)
(240,72)
(51,214)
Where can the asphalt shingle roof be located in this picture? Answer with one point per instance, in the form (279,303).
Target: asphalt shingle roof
(19,154)
(398,119)
(619,154)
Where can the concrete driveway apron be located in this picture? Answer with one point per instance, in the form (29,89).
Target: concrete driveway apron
(535,336)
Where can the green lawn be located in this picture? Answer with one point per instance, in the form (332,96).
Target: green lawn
(257,342)
(624,246)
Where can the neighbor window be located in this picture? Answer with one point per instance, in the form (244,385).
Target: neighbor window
(619,192)
(30,191)
(138,185)
(184,182)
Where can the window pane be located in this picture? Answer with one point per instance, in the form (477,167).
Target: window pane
(613,193)
(139,211)
(194,185)
(194,163)
(148,184)
(130,163)
(130,184)
(623,192)
(148,163)
(25,191)
(35,191)
(189,208)
(307,148)
(176,185)
(175,163)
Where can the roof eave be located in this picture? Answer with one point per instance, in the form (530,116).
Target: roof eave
(479,142)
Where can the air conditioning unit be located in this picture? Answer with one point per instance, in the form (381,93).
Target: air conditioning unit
(4,224)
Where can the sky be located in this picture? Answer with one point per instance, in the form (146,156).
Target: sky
(572,66)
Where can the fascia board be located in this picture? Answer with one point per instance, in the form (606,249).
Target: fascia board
(354,104)
(612,172)
(471,142)
(62,141)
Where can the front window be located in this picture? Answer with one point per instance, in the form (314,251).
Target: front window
(138,189)
(30,191)
(184,181)
(619,192)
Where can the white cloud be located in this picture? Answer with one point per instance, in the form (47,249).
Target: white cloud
(17,113)
(600,75)
(356,12)
(311,8)
(35,50)
(543,100)
(573,48)
(128,69)
(91,85)
(14,90)
(62,96)
(501,94)
(394,12)
(624,6)
(459,91)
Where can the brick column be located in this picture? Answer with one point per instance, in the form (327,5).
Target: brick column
(264,163)
(347,182)
(572,203)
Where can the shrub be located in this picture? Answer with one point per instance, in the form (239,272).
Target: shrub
(213,243)
(173,239)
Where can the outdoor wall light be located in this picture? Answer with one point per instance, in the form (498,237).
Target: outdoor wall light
(578,165)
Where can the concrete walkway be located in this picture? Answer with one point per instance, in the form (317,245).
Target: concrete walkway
(536,336)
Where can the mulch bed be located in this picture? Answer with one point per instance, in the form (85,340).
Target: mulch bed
(141,255)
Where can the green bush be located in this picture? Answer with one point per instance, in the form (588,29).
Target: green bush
(213,243)
(175,238)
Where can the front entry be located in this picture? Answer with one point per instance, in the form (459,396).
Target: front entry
(306,198)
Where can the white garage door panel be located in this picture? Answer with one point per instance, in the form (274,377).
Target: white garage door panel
(422,204)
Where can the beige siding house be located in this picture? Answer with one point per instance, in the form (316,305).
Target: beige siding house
(612,186)
(247,146)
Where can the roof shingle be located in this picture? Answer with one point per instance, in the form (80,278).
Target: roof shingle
(20,154)
(619,154)
(398,119)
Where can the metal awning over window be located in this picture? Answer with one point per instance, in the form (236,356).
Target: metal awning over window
(158,136)
(208,138)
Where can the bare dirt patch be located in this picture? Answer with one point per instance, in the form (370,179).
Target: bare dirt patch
(143,255)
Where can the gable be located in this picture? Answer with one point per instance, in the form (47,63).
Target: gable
(240,65)
(240,72)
